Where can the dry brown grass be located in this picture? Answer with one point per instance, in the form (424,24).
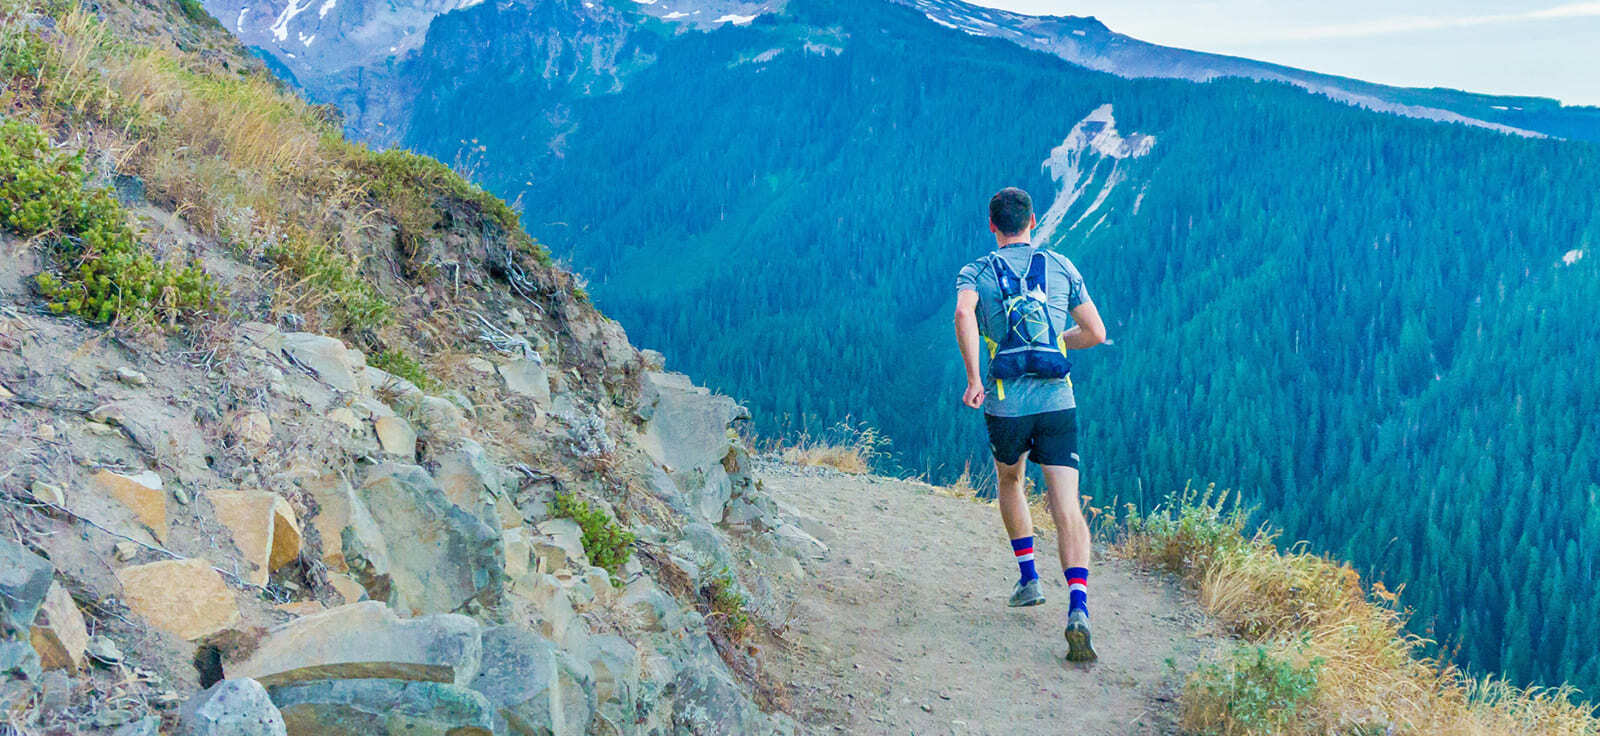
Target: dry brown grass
(847,448)
(1313,618)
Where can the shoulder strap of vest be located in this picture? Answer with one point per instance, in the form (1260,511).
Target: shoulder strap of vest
(1010,282)
(1036,271)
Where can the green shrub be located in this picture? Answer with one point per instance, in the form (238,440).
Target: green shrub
(411,187)
(722,591)
(1187,532)
(397,363)
(606,542)
(194,11)
(105,273)
(22,54)
(1258,692)
(336,280)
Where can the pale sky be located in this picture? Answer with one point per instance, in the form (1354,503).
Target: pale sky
(1547,48)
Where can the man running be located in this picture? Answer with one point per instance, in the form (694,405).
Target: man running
(1027,397)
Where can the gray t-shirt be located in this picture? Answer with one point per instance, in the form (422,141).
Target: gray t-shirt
(1026,395)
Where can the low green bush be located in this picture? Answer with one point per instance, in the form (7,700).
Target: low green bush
(411,187)
(606,542)
(104,272)
(722,591)
(1260,692)
(336,280)
(398,363)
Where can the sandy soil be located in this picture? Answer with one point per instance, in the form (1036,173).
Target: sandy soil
(902,627)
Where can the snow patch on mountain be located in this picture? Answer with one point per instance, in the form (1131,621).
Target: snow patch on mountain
(280,27)
(1087,164)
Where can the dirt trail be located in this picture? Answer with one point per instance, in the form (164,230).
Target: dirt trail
(903,629)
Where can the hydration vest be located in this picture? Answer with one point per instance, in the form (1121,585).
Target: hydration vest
(1030,345)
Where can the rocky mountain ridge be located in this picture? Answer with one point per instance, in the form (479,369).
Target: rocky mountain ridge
(1089,43)
(390,473)
(364,50)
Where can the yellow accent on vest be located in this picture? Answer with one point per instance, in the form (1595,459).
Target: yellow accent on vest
(999,385)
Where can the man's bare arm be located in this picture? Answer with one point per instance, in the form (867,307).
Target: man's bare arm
(1089,330)
(967,339)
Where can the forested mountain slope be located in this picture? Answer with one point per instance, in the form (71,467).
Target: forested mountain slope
(1380,329)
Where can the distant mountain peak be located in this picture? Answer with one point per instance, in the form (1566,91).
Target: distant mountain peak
(1087,42)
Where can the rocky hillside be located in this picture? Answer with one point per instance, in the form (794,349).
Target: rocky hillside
(301,438)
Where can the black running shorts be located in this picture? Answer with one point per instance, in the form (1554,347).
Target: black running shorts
(1050,438)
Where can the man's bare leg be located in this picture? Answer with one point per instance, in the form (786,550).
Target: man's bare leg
(1072,539)
(1019,527)
(1072,530)
(1013,503)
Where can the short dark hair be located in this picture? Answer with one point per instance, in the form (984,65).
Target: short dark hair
(1009,210)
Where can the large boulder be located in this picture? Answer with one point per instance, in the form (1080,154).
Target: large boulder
(231,708)
(537,689)
(441,556)
(471,480)
(710,702)
(688,432)
(365,640)
(25,580)
(616,667)
(687,425)
(343,523)
(383,708)
(184,597)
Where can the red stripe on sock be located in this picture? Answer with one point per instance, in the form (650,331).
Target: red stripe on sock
(1078,581)
(1022,552)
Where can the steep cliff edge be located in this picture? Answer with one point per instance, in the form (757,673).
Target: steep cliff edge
(298,437)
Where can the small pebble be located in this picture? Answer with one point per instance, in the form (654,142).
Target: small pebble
(103,650)
(132,377)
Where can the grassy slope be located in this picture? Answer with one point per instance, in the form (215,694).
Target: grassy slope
(1321,654)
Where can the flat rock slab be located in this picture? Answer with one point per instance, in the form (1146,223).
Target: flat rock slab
(140,494)
(396,436)
(383,708)
(231,708)
(688,425)
(184,597)
(336,365)
(365,640)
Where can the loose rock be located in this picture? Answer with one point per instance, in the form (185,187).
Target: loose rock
(185,597)
(237,707)
(264,529)
(59,635)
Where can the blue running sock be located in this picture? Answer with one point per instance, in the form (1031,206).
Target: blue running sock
(1023,549)
(1078,582)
